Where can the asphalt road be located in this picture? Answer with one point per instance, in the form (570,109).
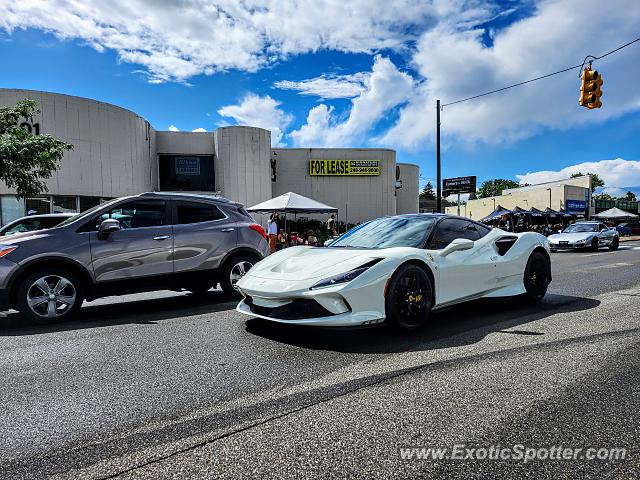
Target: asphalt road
(175,386)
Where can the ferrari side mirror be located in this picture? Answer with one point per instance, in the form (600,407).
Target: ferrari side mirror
(457,244)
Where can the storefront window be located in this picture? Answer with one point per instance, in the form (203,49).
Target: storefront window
(89,202)
(187,173)
(10,209)
(64,204)
(37,205)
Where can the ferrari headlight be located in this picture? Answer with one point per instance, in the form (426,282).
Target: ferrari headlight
(581,242)
(345,277)
(4,249)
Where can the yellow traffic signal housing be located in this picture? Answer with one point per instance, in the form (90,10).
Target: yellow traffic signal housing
(590,91)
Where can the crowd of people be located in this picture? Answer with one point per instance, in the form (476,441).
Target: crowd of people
(522,224)
(279,239)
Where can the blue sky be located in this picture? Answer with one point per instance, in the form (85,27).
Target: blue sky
(366,75)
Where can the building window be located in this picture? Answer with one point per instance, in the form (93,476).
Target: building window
(64,204)
(38,205)
(11,208)
(187,173)
(89,202)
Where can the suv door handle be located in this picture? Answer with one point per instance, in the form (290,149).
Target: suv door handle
(227,229)
(162,237)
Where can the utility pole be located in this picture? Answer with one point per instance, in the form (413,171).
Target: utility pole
(438,173)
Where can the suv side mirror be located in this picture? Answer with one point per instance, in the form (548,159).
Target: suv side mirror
(107,227)
(457,244)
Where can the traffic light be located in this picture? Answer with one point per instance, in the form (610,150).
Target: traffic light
(590,92)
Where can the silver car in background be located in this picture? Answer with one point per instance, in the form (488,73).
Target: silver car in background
(585,235)
(152,241)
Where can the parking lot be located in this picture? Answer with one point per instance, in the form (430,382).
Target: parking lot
(177,385)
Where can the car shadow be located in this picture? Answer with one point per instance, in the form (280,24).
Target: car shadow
(122,312)
(460,325)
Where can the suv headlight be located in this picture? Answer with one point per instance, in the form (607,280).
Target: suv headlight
(5,249)
(345,277)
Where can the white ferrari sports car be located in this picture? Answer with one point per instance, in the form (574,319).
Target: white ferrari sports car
(396,270)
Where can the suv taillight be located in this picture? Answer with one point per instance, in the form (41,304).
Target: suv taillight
(259,229)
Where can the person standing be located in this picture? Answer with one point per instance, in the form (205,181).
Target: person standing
(331,224)
(272,230)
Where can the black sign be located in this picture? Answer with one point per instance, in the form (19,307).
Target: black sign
(459,185)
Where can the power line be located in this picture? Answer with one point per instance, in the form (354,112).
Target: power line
(539,78)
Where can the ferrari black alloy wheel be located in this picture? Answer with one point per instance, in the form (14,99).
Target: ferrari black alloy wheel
(537,276)
(409,298)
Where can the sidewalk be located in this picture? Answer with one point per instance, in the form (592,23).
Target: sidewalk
(630,238)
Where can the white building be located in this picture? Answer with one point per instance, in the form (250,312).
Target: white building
(117,152)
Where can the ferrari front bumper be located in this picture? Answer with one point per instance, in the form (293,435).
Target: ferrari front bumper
(340,305)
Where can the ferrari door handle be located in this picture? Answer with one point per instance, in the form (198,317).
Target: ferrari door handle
(227,229)
(161,237)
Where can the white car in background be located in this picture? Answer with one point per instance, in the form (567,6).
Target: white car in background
(396,269)
(585,235)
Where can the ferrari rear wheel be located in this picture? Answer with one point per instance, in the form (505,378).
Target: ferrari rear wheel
(537,276)
(614,244)
(409,298)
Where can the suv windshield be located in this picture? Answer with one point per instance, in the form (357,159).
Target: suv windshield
(581,227)
(388,232)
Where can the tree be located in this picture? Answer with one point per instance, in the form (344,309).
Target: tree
(493,188)
(603,196)
(427,192)
(473,196)
(596,181)
(26,159)
(630,196)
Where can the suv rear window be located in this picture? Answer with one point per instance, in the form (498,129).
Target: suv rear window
(192,212)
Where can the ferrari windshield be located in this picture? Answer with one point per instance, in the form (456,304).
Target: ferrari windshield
(388,232)
(581,228)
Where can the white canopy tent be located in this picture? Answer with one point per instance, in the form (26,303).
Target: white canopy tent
(614,214)
(291,202)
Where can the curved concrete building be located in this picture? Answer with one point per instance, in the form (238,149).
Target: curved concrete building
(117,152)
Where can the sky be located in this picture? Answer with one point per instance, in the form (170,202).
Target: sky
(362,73)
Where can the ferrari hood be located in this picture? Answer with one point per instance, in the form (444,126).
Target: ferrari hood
(304,263)
(571,237)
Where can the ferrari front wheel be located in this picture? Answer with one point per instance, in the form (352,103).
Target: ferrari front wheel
(537,276)
(409,298)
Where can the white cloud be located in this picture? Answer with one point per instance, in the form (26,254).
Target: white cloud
(453,63)
(386,88)
(263,112)
(329,86)
(173,128)
(177,40)
(616,173)
(199,130)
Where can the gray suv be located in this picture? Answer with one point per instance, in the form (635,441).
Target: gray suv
(151,241)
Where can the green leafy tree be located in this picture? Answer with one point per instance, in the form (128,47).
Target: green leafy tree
(603,196)
(26,159)
(427,192)
(596,181)
(473,196)
(630,196)
(492,188)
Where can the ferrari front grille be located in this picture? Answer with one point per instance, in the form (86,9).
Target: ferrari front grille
(299,309)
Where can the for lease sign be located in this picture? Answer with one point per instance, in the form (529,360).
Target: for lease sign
(344,167)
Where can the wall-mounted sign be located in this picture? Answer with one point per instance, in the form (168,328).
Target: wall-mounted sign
(344,167)
(575,206)
(456,185)
(187,166)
